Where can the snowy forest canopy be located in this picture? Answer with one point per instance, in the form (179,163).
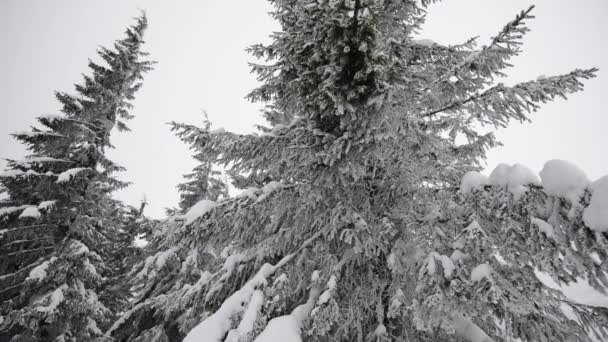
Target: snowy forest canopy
(360,213)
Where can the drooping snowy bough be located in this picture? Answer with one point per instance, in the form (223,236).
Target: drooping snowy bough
(363,217)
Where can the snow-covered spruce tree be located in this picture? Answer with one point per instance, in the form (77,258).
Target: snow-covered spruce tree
(372,224)
(57,226)
(203,182)
(162,284)
(133,228)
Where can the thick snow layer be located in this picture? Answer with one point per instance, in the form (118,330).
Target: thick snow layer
(579,292)
(469,330)
(92,327)
(391,260)
(380,330)
(232,261)
(30,173)
(568,312)
(473,180)
(269,189)
(331,285)
(283,329)
(480,272)
(12,173)
(595,215)
(30,212)
(69,174)
(249,192)
(56,297)
(514,177)
(39,272)
(563,179)
(10,210)
(288,328)
(595,257)
(215,327)
(140,241)
(249,317)
(198,210)
(447,264)
(46,205)
(544,227)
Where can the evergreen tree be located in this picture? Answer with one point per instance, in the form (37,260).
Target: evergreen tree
(203,182)
(165,283)
(371,222)
(57,226)
(128,243)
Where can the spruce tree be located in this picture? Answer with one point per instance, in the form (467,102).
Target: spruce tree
(57,225)
(128,244)
(203,182)
(370,221)
(164,285)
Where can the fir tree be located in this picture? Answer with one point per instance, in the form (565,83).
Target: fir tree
(203,182)
(132,226)
(57,226)
(371,222)
(165,283)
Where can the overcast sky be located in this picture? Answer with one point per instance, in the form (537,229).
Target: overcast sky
(200,44)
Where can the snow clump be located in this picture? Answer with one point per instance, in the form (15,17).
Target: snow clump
(595,215)
(473,180)
(514,177)
(563,179)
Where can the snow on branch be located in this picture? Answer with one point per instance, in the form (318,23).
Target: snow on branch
(30,212)
(500,103)
(37,133)
(505,45)
(198,210)
(39,272)
(288,328)
(9,210)
(216,326)
(55,298)
(67,175)
(205,206)
(563,179)
(595,215)
(249,317)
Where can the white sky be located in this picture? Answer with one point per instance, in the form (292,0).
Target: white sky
(200,44)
